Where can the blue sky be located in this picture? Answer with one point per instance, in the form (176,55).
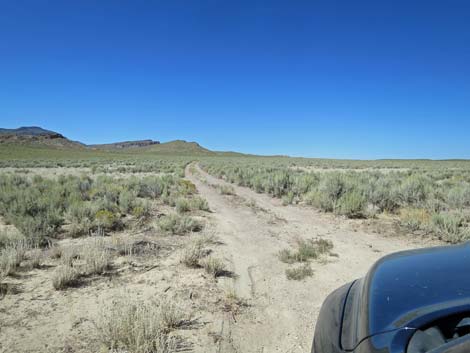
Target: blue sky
(342,79)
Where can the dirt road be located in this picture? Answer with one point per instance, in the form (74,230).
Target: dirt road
(254,228)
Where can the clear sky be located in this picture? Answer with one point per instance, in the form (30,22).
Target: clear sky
(326,78)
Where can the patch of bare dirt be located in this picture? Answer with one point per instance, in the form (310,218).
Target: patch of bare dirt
(34,317)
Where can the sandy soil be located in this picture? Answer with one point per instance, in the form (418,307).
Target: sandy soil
(254,228)
(37,318)
(34,317)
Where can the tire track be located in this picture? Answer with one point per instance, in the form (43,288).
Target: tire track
(282,313)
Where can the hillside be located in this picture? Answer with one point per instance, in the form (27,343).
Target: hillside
(29,131)
(179,147)
(36,136)
(125,144)
(36,142)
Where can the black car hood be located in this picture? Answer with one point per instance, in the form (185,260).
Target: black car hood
(407,290)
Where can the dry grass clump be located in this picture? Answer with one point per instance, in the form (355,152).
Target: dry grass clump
(226,189)
(8,237)
(90,258)
(3,287)
(178,224)
(213,266)
(66,274)
(122,245)
(193,254)
(415,218)
(306,250)
(35,257)
(207,239)
(64,277)
(133,325)
(450,226)
(55,252)
(8,263)
(95,257)
(11,257)
(67,254)
(233,303)
(299,273)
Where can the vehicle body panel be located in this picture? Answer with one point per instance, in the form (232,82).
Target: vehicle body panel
(401,292)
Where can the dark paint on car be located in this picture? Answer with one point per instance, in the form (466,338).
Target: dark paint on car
(402,293)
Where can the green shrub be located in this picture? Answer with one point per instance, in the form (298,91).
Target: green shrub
(226,189)
(434,205)
(323,246)
(332,188)
(459,196)
(81,216)
(182,205)
(352,205)
(198,203)
(448,226)
(186,187)
(319,200)
(299,273)
(8,237)
(127,200)
(36,229)
(178,224)
(415,190)
(384,196)
(78,229)
(152,188)
(107,220)
(287,256)
(278,183)
(306,250)
(142,211)
(288,199)
(42,208)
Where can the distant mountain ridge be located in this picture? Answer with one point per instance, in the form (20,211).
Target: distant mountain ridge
(182,146)
(29,131)
(126,144)
(37,136)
